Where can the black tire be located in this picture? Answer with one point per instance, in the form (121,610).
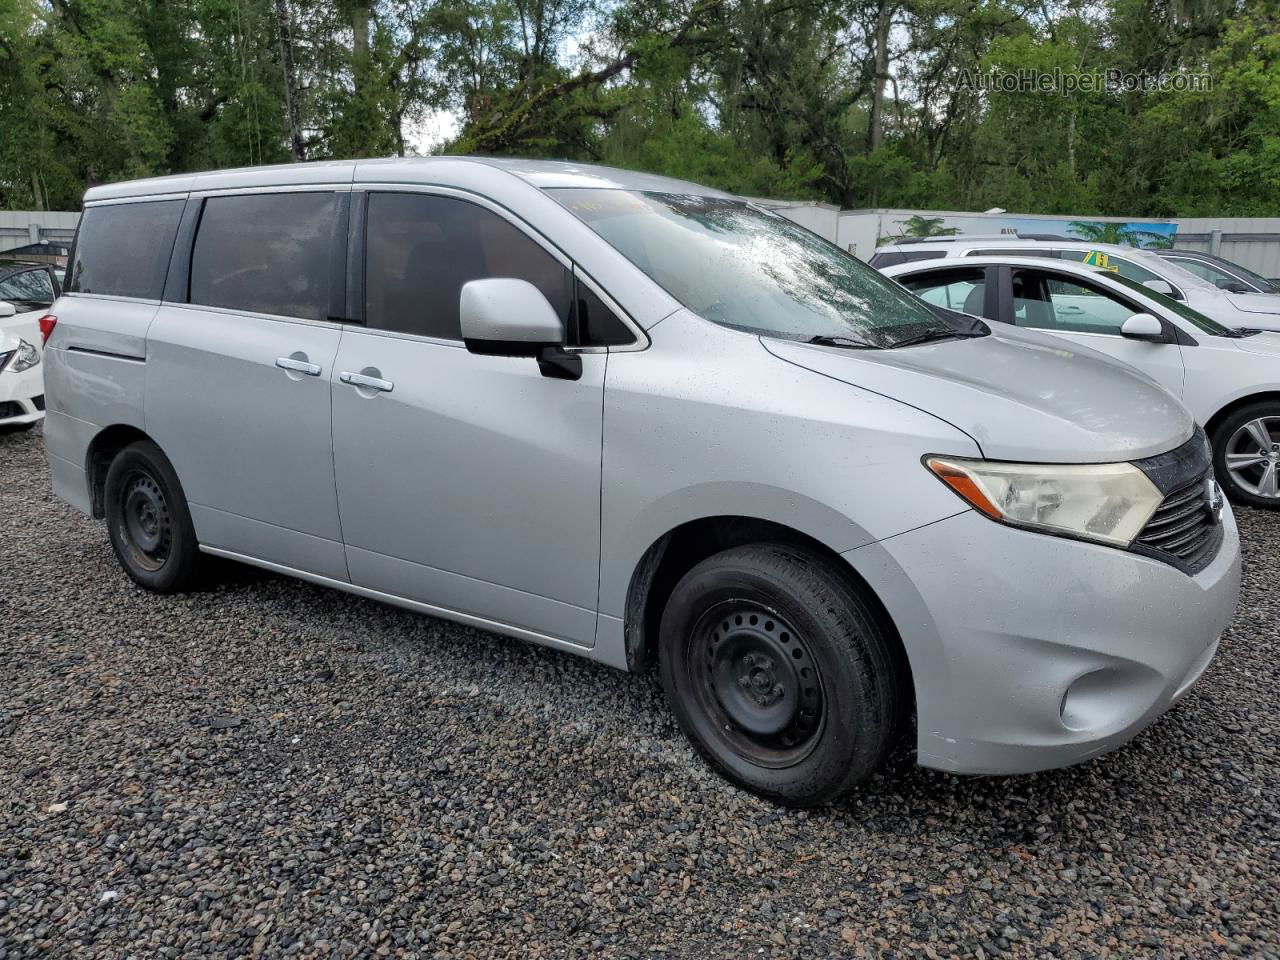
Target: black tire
(1232,436)
(745,610)
(148,520)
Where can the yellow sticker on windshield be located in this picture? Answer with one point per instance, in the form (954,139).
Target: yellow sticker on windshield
(1096,258)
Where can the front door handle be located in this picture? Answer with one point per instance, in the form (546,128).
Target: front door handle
(298,366)
(365,382)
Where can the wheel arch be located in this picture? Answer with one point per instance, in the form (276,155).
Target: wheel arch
(1214,422)
(102,450)
(678,550)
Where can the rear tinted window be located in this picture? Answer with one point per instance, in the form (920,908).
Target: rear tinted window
(123,249)
(420,250)
(265,253)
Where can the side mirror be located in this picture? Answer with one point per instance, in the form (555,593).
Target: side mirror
(1159,286)
(1143,326)
(7,309)
(505,317)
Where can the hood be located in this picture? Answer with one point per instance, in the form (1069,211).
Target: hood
(23,326)
(1021,395)
(1266,343)
(1256,302)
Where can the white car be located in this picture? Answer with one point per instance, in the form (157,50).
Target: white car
(26,292)
(1255,311)
(1228,378)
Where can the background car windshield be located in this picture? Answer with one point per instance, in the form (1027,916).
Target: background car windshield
(743,267)
(1173,306)
(1172,272)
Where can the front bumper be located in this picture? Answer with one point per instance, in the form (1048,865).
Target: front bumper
(21,396)
(1030,651)
(21,410)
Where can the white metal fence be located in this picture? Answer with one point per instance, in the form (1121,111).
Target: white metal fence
(20,228)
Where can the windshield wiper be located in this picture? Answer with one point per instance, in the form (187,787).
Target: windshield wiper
(1239,333)
(929,336)
(826,340)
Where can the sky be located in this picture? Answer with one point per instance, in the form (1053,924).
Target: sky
(433,130)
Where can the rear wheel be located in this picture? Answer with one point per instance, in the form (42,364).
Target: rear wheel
(1246,455)
(148,520)
(781,673)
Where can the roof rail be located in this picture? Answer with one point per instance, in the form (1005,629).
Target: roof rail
(958,237)
(965,237)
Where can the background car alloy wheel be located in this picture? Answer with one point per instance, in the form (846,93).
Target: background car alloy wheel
(1253,457)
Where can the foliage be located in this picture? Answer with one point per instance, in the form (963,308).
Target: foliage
(860,103)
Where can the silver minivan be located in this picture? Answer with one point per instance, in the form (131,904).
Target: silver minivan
(643,421)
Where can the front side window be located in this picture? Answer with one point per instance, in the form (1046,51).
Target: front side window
(1205,271)
(1052,302)
(746,268)
(30,288)
(1262,283)
(122,249)
(962,290)
(265,253)
(597,325)
(421,249)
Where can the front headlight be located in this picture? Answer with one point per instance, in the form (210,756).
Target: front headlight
(1106,502)
(24,358)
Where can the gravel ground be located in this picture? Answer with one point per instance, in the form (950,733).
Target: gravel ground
(271,768)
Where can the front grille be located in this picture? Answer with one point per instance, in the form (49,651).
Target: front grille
(10,408)
(1185,530)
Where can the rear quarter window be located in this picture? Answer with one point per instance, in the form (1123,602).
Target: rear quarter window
(122,249)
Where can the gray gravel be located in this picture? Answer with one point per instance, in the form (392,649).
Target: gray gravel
(268,767)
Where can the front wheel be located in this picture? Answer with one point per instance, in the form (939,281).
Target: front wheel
(1246,455)
(148,520)
(781,673)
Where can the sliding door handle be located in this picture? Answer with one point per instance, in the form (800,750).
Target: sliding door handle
(298,366)
(363,381)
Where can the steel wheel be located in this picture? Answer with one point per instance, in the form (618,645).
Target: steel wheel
(1253,457)
(144,521)
(758,679)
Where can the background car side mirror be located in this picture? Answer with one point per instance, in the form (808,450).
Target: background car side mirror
(1143,326)
(1159,286)
(7,309)
(506,317)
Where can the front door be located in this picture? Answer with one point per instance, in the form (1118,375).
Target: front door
(238,380)
(1091,316)
(469,483)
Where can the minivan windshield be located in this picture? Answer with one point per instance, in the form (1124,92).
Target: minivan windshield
(753,270)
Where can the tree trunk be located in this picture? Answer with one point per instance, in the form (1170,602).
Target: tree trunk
(292,108)
(360,10)
(884,19)
(1071,141)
